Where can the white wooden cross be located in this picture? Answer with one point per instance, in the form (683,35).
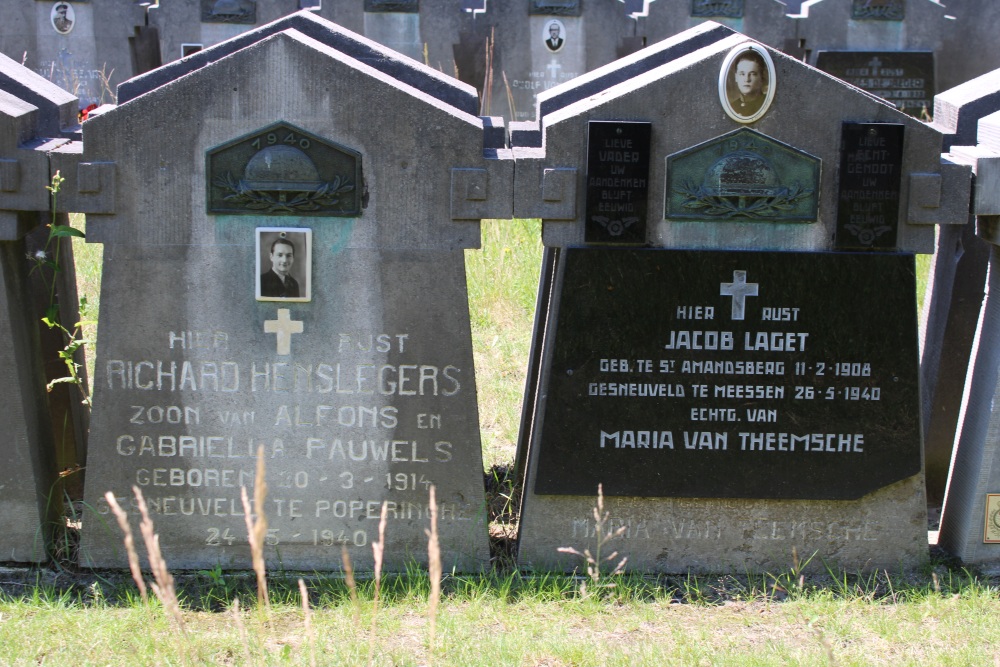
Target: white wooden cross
(284,326)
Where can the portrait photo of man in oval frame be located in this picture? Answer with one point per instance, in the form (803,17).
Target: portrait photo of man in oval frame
(747,83)
(62,17)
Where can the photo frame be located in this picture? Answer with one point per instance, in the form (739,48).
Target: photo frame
(554,35)
(62,17)
(284,264)
(747,83)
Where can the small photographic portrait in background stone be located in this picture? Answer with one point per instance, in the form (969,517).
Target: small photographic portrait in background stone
(747,83)
(63,17)
(555,35)
(284,264)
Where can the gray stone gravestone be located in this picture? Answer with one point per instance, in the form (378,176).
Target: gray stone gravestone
(970,521)
(688,377)
(954,294)
(352,367)
(31,111)
(845,30)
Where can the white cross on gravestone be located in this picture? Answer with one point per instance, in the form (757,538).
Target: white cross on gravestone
(553,67)
(739,289)
(284,326)
(875,63)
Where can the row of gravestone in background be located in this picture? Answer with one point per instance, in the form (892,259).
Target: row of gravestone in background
(903,50)
(363,390)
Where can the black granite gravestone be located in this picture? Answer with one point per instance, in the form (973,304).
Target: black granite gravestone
(732,375)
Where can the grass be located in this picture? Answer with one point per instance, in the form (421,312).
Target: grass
(88,259)
(520,620)
(503,283)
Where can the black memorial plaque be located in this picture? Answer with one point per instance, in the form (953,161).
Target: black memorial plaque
(902,78)
(717,8)
(554,7)
(392,6)
(871,164)
(617,182)
(229,11)
(711,374)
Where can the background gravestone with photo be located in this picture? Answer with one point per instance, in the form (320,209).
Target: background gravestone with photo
(361,389)
(743,389)
(82,47)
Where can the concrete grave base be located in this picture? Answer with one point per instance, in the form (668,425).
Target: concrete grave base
(884,530)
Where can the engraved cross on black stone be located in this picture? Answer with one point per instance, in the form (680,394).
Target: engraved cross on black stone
(739,289)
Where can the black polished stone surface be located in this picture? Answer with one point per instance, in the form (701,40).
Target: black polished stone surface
(811,395)
(617,182)
(871,164)
(732,9)
(902,78)
(392,6)
(554,7)
(231,11)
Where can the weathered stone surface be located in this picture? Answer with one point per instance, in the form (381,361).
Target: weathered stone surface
(967,518)
(26,483)
(367,392)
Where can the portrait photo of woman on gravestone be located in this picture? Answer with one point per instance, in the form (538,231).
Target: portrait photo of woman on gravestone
(746,83)
(284,264)
(62,17)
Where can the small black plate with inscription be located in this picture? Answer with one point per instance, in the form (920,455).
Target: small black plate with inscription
(871,163)
(617,182)
(710,374)
(902,78)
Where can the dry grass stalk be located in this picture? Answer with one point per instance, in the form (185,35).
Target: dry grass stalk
(510,96)
(133,557)
(594,560)
(244,639)
(164,586)
(487,101)
(378,549)
(352,586)
(434,570)
(308,622)
(257,528)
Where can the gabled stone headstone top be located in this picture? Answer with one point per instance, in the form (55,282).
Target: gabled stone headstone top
(56,107)
(16,123)
(631,66)
(957,111)
(293,44)
(24,148)
(395,65)
(687,86)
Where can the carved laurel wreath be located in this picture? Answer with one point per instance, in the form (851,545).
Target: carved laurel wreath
(699,198)
(890,11)
(325,196)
